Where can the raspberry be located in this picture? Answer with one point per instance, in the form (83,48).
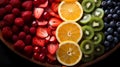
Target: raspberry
(19,22)
(22,35)
(19,45)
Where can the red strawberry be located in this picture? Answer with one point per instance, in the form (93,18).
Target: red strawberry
(9,18)
(38,12)
(19,45)
(7,33)
(44,4)
(46,15)
(42,32)
(57,1)
(32,30)
(51,57)
(16,11)
(47,39)
(54,7)
(52,13)
(42,23)
(27,5)
(39,42)
(15,3)
(54,33)
(38,2)
(8,8)
(19,22)
(28,50)
(36,49)
(51,28)
(27,16)
(52,39)
(52,48)
(54,22)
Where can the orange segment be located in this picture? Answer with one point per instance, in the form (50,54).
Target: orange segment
(69,53)
(69,31)
(69,0)
(70,11)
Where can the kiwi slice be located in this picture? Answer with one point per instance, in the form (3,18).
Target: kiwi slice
(88,5)
(86,18)
(96,23)
(87,57)
(99,12)
(97,2)
(97,38)
(87,47)
(99,50)
(88,32)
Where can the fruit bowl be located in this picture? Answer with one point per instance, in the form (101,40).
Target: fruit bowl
(36,30)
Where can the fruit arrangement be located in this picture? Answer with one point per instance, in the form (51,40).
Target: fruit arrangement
(60,32)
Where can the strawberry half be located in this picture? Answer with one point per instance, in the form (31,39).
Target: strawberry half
(51,57)
(38,41)
(54,7)
(52,13)
(42,32)
(42,23)
(53,39)
(54,22)
(52,48)
(38,12)
(44,4)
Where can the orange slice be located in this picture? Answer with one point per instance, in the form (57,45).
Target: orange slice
(69,0)
(71,31)
(69,53)
(70,11)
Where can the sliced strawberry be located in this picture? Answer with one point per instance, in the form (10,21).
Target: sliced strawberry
(54,7)
(57,1)
(54,22)
(54,33)
(52,39)
(52,28)
(42,23)
(38,42)
(52,13)
(52,48)
(49,30)
(42,32)
(47,39)
(51,57)
(44,4)
(38,12)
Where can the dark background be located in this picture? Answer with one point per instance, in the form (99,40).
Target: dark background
(7,57)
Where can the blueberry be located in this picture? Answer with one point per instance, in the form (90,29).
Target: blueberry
(118,24)
(118,12)
(115,16)
(116,33)
(106,19)
(107,11)
(114,4)
(107,43)
(109,16)
(118,3)
(110,38)
(112,11)
(109,2)
(118,29)
(103,3)
(106,33)
(110,30)
(116,8)
(106,25)
(116,40)
(112,24)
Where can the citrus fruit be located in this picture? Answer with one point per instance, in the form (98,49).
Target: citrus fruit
(69,0)
(69,53)
(70,11)
(69,31)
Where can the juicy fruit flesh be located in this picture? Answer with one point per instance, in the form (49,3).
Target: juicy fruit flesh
(69,53)
(69,31)
(70,11)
